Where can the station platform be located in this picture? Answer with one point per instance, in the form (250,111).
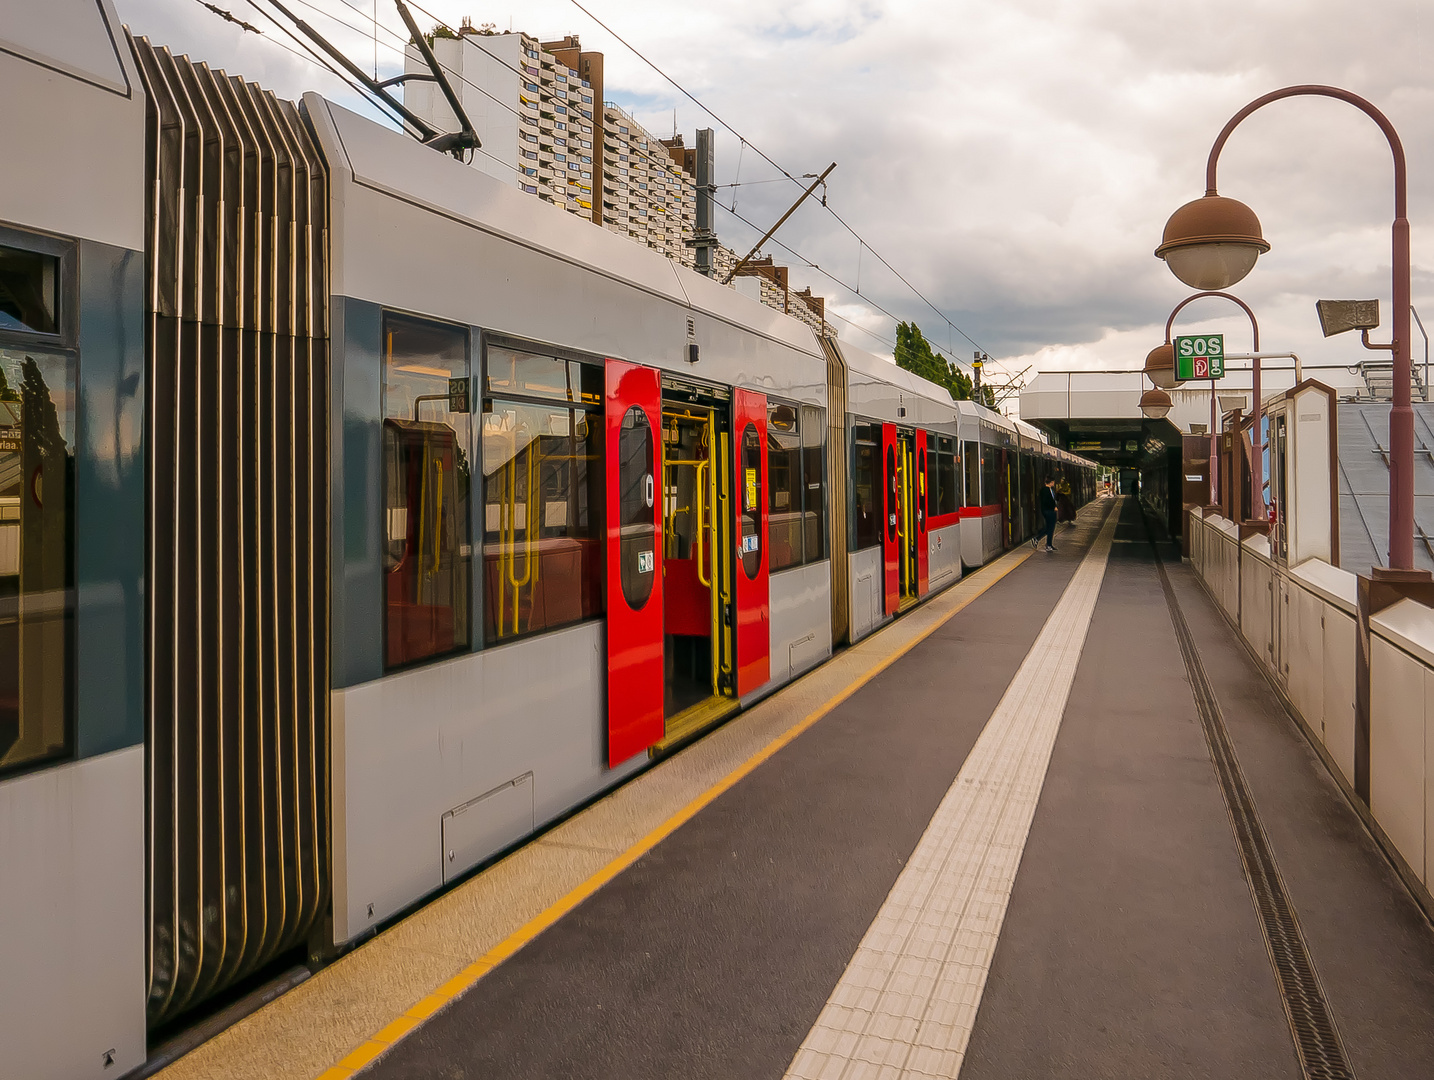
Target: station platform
(1053,823)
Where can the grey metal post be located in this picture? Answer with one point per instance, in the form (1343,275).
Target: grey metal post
(706,237)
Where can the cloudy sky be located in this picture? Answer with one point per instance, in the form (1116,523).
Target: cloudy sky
(1015,161)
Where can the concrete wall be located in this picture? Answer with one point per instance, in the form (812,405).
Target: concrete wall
(1300,622)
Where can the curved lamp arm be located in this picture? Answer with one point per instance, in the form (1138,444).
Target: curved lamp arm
(1254,326)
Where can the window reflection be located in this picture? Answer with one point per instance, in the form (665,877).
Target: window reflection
(542,531)
(426,485)
(37,423)
(796,484)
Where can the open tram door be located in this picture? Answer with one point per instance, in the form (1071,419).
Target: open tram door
(906,517)
(716,634)
(633,413)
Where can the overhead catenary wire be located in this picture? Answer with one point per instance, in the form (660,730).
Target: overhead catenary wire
(804,261)
(745,142)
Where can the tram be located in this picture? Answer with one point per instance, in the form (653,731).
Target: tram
(369,515)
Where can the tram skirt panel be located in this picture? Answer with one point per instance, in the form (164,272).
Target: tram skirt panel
(237,704)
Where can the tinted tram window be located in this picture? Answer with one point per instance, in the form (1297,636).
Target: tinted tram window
(991,479)
(784,487)
(542,517)
(868,499)
(37,438)
(427,479)
(29,291)
(814,481)
(948,477)
(751,495)
(973,473)
(637,503)
(527,374)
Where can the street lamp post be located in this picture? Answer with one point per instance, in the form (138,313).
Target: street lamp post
(1257,479)
(1213,242)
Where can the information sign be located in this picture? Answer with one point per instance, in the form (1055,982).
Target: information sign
(1200,356)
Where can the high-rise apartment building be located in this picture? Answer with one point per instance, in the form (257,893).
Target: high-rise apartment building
(648,191)
(538,109)
(533,112)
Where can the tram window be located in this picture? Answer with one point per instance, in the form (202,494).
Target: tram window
(426,492)
(991,480)
(973,473)
(637,505)
(528,374)
(37,438)
(784,487)
(750,483)
(947,476)
(542,518)
(867,495)
(29,291)
(814,482)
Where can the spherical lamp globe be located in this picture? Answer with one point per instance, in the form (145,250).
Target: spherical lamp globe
(1212,243)
(1155,404)
(1160,366)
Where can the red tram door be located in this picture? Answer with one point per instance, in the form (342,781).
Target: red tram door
(753,593)
(921,489)
(633,415)
(890,535)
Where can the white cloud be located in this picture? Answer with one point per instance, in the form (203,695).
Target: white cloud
(1015,160)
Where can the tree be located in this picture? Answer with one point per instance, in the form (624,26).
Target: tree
(914,354)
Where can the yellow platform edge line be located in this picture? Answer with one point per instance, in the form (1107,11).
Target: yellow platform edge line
(403,1025)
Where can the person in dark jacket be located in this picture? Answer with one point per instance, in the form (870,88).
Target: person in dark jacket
(1048,508)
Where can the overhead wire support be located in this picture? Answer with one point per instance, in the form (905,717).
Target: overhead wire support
(768,234)
(426,133)
(465,138)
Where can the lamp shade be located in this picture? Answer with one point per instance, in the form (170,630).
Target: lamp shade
(1160,366)
(1212,243)
(1155,404)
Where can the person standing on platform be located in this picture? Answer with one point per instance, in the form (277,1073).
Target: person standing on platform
(1048,508)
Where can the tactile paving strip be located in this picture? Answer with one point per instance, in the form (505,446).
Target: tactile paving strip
(906,1003)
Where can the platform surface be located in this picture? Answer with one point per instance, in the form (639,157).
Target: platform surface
(986,842)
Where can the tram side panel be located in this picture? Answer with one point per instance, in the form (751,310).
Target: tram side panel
(72,805)
(444,759)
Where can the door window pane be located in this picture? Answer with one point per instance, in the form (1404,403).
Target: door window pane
(637,505)
(37,438)
(542,518)
(426,491)
(751,496)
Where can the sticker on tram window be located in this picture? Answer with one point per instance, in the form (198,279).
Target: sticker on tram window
(751,487)
(749,543)
(644,562)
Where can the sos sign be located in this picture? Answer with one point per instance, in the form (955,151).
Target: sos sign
(1200,356)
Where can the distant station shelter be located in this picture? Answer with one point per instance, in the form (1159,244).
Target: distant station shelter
(1165,460)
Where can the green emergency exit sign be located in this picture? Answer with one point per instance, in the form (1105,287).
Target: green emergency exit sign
(1200,356)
